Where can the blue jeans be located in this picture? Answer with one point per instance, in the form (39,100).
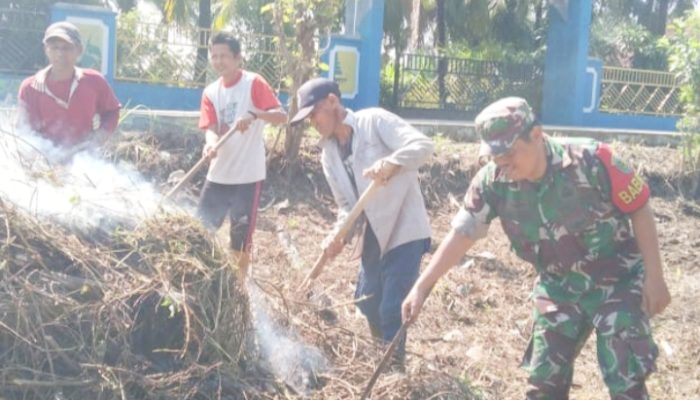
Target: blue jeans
(386,281)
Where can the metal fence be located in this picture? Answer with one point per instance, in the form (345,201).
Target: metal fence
(157,53)
(21,33)
(634,91)
(443,87)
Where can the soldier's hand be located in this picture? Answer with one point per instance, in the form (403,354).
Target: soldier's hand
(381,171)
(655,295)
(412,304)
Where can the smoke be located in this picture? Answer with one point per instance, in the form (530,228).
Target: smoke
(296,363)
(79,190)
(87,193)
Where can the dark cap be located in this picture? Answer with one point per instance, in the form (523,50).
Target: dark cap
(64,30)
(501,123)
(310,93)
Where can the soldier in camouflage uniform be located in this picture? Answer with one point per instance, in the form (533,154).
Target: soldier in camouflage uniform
(583,220)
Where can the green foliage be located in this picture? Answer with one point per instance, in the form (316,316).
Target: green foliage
(496,51)
(43,5)
(683,42)
(621,42)
(652,15)
(475,22)
(141,54)
(178,11)
(468,22)
(396,24)
(511,31)
(386,84)
(306,21)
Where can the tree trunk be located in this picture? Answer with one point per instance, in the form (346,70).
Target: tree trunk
(415,26)
(442,62)
(398,51)
(646,15)
(539,12)
(305,38)
(203,29)
(539,18)
(661,18)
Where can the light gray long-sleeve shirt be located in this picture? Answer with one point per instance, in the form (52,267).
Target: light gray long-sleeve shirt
(396,212)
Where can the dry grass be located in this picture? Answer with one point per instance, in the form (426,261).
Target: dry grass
(150,311)
(467,344)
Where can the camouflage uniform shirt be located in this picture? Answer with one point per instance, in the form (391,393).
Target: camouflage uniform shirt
(565,225)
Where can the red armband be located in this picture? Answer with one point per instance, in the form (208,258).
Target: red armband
(628,190)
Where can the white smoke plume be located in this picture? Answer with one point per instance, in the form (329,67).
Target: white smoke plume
(89,193)
(80,190)
(298,364)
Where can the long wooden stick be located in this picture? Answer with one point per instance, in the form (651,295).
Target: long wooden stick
(190,174)
(342,232)
(385,360)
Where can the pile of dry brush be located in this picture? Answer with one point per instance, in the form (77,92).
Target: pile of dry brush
(150,312)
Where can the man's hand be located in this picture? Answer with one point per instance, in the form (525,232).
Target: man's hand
(412,304)
(209,150)
(242,124)
(655,294)
(381,171)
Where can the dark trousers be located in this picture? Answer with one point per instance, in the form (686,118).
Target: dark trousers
(239,202)
(386,281)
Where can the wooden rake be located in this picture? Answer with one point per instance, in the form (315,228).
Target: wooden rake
(342,232)
(202,161)
(385,360)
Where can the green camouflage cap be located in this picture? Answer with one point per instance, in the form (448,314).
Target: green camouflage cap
(501,123)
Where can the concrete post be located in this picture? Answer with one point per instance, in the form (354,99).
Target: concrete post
(565,90)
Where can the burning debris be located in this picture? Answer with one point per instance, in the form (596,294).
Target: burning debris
(150,313)
(108,293)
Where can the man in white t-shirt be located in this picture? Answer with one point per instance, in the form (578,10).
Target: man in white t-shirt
(243,100)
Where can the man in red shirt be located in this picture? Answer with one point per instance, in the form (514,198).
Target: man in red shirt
(60,102)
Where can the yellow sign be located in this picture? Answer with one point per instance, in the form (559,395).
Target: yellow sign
(344,69)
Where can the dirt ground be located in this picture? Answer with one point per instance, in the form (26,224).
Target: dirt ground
(471,335)
(470,338)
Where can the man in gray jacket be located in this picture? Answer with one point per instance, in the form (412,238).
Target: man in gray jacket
(358,147)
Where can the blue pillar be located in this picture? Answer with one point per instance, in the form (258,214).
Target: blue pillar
(98,29)
(565,89)
(371,29)
(354,58)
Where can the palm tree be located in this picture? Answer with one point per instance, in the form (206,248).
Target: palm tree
(651,14)
(183,12)
(472,22)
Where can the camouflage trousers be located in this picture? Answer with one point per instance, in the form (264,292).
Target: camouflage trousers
(626,351)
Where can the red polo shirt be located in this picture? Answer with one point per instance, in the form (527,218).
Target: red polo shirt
(66,118)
